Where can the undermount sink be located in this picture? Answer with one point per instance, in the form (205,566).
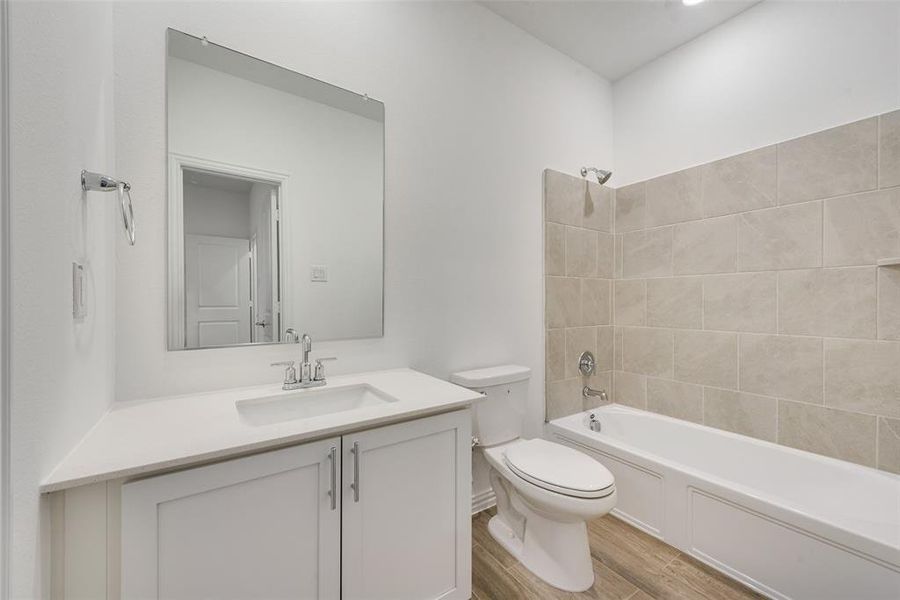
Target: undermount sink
(304,404)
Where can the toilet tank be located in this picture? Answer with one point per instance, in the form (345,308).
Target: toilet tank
(500,415)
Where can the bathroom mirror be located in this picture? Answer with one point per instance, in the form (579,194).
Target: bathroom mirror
(275,202)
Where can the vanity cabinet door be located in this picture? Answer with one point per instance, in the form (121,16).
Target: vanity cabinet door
(261,527)
(407,510)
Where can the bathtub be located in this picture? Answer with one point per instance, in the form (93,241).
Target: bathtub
(787,523)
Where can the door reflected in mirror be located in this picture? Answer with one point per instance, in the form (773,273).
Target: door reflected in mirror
(230,259)
(275,202)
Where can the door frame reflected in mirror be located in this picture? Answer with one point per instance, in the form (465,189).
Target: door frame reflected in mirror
(178,163)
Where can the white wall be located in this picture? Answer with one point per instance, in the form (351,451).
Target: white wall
(61,94)
(774,72)
(4,302)
(475,111)
(332,197)
(213,211)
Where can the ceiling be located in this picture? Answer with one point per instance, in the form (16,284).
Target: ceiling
(615,37)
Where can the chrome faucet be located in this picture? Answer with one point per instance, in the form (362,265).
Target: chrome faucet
(305,348)
(588,392)
(308,376)
(587,366)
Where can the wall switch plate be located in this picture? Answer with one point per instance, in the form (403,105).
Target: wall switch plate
(318,273)
(79,293)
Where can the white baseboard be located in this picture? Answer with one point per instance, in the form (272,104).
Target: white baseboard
(482,501)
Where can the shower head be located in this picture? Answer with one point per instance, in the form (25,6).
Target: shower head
(602,176)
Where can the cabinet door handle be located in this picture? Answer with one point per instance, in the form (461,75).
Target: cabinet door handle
(332,456)
(355,485)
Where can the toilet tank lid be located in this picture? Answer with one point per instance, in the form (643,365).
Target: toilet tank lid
(479,378)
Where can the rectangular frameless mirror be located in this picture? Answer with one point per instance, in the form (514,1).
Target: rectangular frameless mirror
(276,202)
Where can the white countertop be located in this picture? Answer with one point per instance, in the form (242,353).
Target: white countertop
(135,438)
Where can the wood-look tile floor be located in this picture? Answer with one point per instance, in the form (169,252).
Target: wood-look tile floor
(628,565)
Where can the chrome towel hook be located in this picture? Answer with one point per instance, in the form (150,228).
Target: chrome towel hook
(95,182)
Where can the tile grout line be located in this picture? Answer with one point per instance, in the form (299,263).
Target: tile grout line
(822,234)
(739,220)
(777,178)
(805,336)
(877,303)
(777,302)
(752,393)
(824,399)
(748,272)
(702,303)
(877,435)
(777,420)
(862,192)
(878,151)
(646,289)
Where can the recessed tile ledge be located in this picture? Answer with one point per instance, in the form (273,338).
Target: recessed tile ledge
(889,262)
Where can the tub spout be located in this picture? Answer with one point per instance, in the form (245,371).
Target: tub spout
(587,392)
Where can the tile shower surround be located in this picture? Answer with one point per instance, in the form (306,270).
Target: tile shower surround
(742,294)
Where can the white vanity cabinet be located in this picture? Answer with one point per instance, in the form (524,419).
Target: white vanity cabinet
(259,527)
(407,511)
(383,513)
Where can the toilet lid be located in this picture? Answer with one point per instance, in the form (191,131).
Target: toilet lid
(560,469)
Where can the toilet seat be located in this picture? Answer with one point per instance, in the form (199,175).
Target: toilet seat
(559,469)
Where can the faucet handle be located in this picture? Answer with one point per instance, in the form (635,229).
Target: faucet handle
(320,367)
(290,373)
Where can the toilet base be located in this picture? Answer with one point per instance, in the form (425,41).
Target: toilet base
(556,552)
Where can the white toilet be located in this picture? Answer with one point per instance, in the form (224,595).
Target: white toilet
(545,492)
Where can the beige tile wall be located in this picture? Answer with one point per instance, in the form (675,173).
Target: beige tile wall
(743,294)
(578,269)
